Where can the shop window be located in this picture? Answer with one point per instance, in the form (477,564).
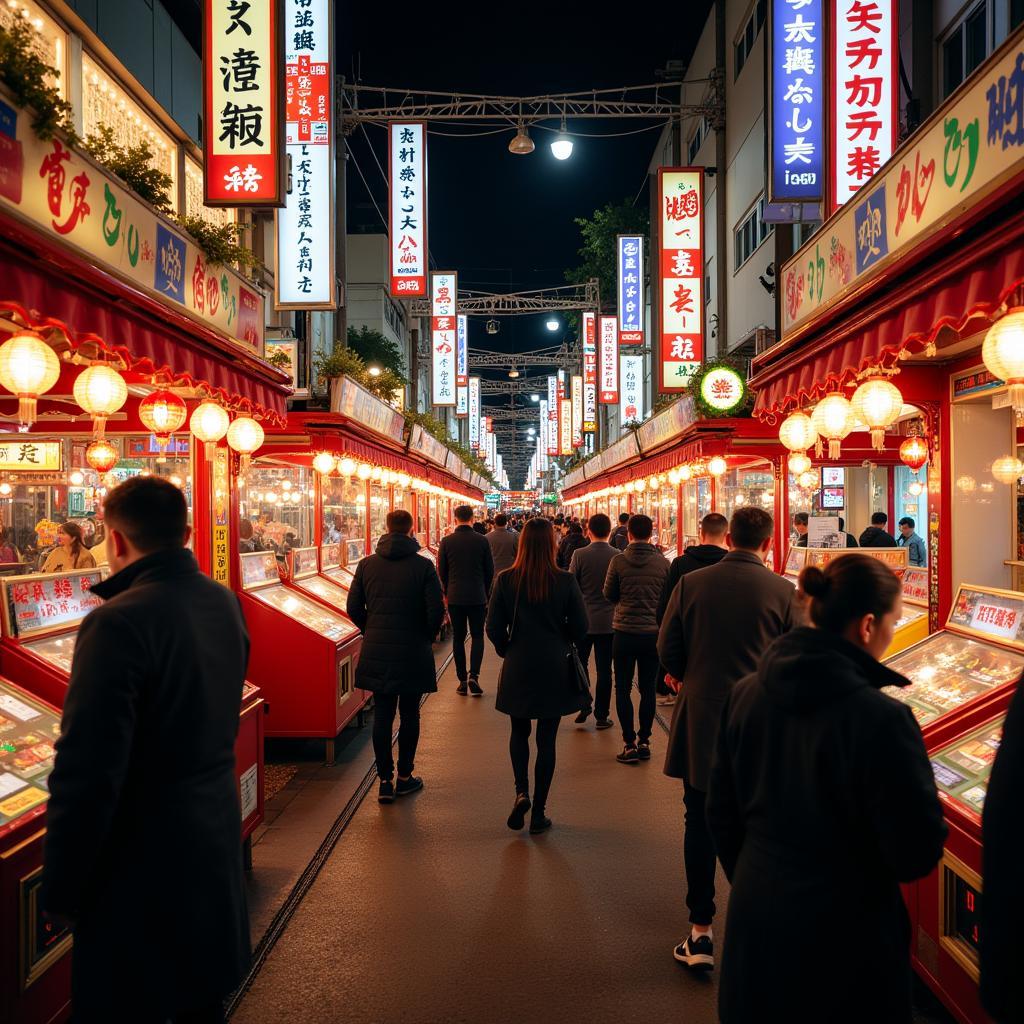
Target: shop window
(744,45)
(213,215)
(803,231)
(697,140)
(753,230)
(278,502)
(379,509)
(344,511)
(743,488)
(965,48)
(51,39)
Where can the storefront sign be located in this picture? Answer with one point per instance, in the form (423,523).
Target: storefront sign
(23,456)
(444,290)
(81,208)
(975,382)
(608,360)
(545,429)
(45,603)
(722,388)
(474,413)
(667,425)
(305,228)
(552,415)
(589,373)
(631,289)
(221,559)
(915,586)
(680,343)
(242,103)
(796,163)
(631,406)
(577,411)
(462,366)
(427,445)
(865,93)
(565,426)
(965,151)
(408,208)
(355,403)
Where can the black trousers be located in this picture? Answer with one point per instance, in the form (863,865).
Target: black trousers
(544,767)
(408,707)
(601,645)
(698,857)
(472,615)
(635,652)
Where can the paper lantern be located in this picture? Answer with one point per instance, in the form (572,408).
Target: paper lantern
(717,465)
(28,368)
(324,463)
(797,432)
(808,481)
(833,420)
(245,436)
(798,463)
(685,473)
(628,486)
(364,472)
(673,477)
(376,472)
(1008,469)
(1002,353)
(101,391)
(162,413)
(346,467)
(877,404)
(914,452)
(102,456)
(404,480)
(209,423)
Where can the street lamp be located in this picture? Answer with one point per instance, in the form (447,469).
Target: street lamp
(373,371)
(513,373)
(534,398)
(561,148)
(552,324)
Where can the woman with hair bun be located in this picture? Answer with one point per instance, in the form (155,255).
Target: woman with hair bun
(821,803)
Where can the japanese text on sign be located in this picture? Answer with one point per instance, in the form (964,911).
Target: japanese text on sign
(565,426)
(631,405)
(552,420)
(444,290)
(577,411)
(408,208)
(30,456)
(589,373)
(608,360)
(631,289)
(474,413)
(49,602)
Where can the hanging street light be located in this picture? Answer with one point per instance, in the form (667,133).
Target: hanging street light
(521,144)
(552,324)
(561,148)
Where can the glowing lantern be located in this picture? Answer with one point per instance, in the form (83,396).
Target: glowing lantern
(77,478)
(5,489)
(346,467)
(209,423)
(798,463)
(100,391)
(877,404)
(1008,469)
(653,483)
(102,456)
(628,486)
(162,413)
(1002,352)
(833,420)
(916,488)
(376,472)
(245,436)
(808,481)
(404,480)
(914,452)
(28,368)
(673,477)
(364,471)
(685,473)
(797,432)
(717,465)
(324,463)
(640,485)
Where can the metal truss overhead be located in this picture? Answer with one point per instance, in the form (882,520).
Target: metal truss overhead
(500,413)
(480,359)
(564,298)
(513,387)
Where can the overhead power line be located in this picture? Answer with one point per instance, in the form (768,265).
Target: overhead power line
(563,298)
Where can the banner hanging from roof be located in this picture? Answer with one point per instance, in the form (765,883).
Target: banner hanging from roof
(608,361)
(474,413)
(631,289)
(444,290)
(589,373)
(407,207)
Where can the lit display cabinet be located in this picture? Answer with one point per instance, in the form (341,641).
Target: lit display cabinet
(913,624)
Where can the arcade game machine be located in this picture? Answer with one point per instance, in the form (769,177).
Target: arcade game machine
(35,970)
(333,571)
(304,576)
(795,562)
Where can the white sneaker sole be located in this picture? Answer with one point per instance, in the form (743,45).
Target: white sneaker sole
(698,961)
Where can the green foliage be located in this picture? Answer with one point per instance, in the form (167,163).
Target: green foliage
(220,244)
(132,164)
(31,80)
(437,429)
(281,360)
(340,362)
(376,349)
(385,384)
(597,253)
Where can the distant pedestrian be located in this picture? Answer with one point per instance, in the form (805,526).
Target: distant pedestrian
(876,535)
(535,613)
(70,552)
(503,542)
(590,567)
(572,541)
(822,802)
(635,580)
(718,624)
(395,599)
(620,537)
(143,824)
(466,567)
(800,521)
(916,550)
(850,540)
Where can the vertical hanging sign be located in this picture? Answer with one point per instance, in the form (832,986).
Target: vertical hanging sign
(565,426)
(243,103)
(577,411)
(462,367)
(865,93)
(680,343)
(544,434)
(304,276)
(631,289)
(589,373)
(631,407)
(608,361)
(796,162)
(474,413)
(552,424)
(444,290)
(407,207)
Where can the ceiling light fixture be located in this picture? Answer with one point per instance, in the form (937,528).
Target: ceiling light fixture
(521,144)
(561,148)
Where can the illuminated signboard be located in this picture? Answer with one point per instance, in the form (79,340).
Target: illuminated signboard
(631,289)
(444,289)
(589,373)
(462,366)
(577,411)
(25,456)
(474,413)
(565,426)
(631,405)
(408,208)
(552,421)
(608,361)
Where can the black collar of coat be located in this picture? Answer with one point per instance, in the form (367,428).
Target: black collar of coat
(158,565)
(739,555)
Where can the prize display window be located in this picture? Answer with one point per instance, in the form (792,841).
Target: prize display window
(422,517)
(344,516)
(401,497)
(745,488)
(278,503)
(379,509)
(602,505)
(668,520)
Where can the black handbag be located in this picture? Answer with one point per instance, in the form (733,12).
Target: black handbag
(579,678)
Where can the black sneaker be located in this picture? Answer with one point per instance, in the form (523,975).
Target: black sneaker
(517,818)
(474,687)
(698,953)
(583,716)
(539,823)
(406,786)
(643,751)
(462,689)
(629,755)
(386,792)
(603,723)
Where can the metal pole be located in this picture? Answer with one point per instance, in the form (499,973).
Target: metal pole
(721,160)
(340,222)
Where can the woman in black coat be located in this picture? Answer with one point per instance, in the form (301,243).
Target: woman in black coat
(821,802)
(536,612)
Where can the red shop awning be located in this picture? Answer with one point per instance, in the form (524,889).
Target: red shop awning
(968,284)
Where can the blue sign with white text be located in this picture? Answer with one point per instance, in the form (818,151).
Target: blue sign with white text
(631,288)
(169,272)
(870,231)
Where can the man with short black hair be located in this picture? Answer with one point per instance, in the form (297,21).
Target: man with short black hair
(851,541)
(800,520)
(620,538)
(466,568)
(504,543)
(916,551)
(719,622)
(143,824)
(876,535)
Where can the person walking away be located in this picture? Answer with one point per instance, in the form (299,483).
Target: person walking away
(800,520)
(536,612)
(718,624)
(1002,906)
(822,801)
(503,542)
(70,552)
(466,568)
(590,567)
(909,539)
(635,580)
(620,538)
(876,535)
(572,541)
(395,599)
(143,824)
(851,541)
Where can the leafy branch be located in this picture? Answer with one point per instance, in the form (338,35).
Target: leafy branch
(132,164)
(31,80)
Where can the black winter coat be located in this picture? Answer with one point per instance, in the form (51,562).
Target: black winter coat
(696,556)
(877,537)
(569,543)
(143,831)
(395,599)
(466,566)
(821,802)
(619,538)
(534,681)
(634,584)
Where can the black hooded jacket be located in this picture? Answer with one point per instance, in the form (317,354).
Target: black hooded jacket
(696,556)
(822,801)
(877,537)
(395,600)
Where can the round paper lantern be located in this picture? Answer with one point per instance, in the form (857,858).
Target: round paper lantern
(640,485)
(1002,353)
(628,486)
(101,391)
(209,422)
(833,420)
(798,463)
(28,368)
(102,456)
(324,463)
(673,477)
(877,404)
(808,480)
(717,465)
(245,436)
(404,480)
(914,452)
(162,413)
(376,472)
(797,432)
(685,473)
(346,466)
(653,483)
(364,471)
(1008,469)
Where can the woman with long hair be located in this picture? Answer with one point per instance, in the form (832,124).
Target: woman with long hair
(821,803)
(70,552)
(535,614)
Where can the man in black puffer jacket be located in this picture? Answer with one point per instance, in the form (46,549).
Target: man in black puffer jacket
(634,584)
(710,551)
(396,601)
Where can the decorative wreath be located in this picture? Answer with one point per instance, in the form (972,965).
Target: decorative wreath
(719,388)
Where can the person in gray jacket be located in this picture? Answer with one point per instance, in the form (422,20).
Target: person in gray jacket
(504,542)
(634,584)
(590,567)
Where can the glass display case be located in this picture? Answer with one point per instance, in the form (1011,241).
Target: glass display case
(277,501)
(344,516)
(962,768)
(379,509)
(740,488)
(28,731)
(305,576)
(913,623)
(668,526)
